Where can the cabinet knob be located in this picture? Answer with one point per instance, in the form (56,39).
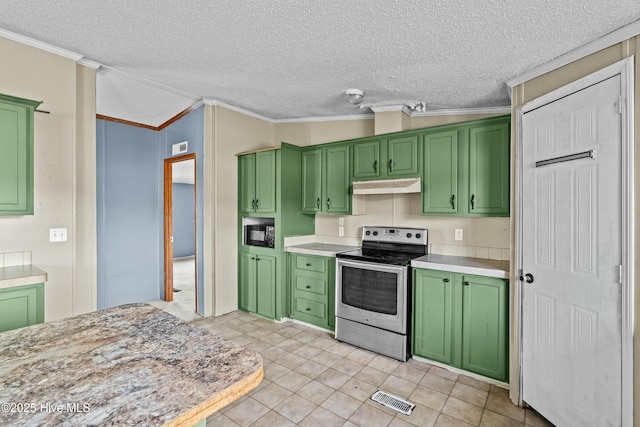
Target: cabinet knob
(308,264)
(308,287)
(445,280)
(308,308)
(466,283)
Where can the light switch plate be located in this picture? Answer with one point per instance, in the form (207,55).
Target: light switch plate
(57,234)
(458,234)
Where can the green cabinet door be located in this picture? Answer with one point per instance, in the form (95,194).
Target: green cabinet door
(266,285)
(247,182)
(312,181)
(247,282)
(485,328)
(366,160)
(16,155)
(257,182)
(433,315)
(402,156)
(337,198)
(265,181)
(440,183)
(489,169)
(21,306)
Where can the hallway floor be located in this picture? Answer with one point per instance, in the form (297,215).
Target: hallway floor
(310,379)
(183,305)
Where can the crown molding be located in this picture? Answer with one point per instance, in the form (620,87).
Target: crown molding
(462,111)
(40,45)
(327,118)
(89,63)
(614,37)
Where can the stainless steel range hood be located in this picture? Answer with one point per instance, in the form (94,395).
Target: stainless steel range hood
(387,186)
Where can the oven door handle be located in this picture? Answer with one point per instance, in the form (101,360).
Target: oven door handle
(365,265)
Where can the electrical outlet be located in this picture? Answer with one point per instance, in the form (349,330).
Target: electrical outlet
(341,231)
(458,234)
(57,234)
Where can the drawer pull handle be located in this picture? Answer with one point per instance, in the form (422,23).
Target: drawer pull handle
(308,308)
(308,264)
(308,287)
(473,197)
(466,283)
(375,166)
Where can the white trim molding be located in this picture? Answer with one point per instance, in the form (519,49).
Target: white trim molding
(625,69)
(463,111)
(614,37)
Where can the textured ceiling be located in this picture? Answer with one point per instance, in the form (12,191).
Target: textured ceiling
(288,59)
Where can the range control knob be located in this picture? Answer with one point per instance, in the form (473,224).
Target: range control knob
(418,235)
(375,233)
(367,233)
(408,235)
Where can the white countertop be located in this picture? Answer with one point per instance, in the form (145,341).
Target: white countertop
(320,249)
(21,275)
(457,264)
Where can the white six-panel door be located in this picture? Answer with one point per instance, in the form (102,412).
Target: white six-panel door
(571,248)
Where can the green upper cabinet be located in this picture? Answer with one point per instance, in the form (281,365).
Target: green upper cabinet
(16,155)
(466,168)
(366,159)
(489,169)
(389,157)
(440,186)
(326,180)
(257,182)
(402,156)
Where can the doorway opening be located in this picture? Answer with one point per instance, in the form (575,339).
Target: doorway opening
(180,255)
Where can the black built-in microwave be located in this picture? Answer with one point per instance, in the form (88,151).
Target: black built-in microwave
(259,235)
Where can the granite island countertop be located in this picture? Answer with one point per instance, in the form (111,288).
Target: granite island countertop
(320,249)
(458,264)
(126,365)
(21,275)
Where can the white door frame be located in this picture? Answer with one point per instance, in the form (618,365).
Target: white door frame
(625,69)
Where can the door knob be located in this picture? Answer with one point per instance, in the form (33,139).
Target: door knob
(527,278)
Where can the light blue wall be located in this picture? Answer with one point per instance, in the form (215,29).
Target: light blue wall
(183,231)
(130,169)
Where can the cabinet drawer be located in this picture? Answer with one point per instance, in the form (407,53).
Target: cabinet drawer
(311,308)
(311,263)
(310,284)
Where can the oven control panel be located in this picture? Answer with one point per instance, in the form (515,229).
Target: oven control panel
(417,236)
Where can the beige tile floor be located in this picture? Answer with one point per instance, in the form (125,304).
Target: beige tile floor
(310,379)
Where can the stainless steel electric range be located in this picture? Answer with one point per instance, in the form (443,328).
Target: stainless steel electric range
(373,290)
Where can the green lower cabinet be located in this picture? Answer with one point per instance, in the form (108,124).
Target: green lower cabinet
(461,320)
(21,306)
(256,285)
(312,284)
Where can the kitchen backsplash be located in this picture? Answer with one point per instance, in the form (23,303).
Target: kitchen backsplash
(12,259)
(482,237)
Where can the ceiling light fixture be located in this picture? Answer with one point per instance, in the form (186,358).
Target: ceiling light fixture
(353,96)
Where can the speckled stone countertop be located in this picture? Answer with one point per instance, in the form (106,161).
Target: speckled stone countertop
(127,365)
(321,249)
(458,264)
(21,275)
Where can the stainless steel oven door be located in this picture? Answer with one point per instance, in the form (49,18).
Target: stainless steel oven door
(373,294)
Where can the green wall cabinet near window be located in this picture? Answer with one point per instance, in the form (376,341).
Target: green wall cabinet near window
(394,156)
(461,320)
(326,180)
(257,279)
(16,155)
(466,168)
(257,182)
(21,306)
(313,290)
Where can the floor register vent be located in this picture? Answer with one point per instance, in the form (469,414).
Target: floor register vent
(393,402)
